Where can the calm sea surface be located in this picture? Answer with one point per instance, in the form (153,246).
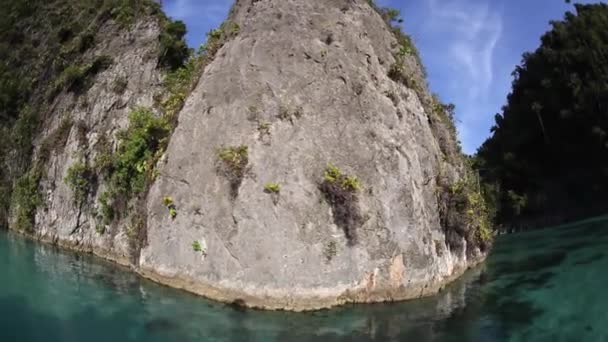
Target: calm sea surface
(546,285)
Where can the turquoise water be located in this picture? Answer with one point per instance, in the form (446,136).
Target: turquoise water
(544,285)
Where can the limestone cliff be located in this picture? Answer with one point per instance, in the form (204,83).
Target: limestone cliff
(297,162)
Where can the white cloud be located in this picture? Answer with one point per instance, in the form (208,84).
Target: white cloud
(473,31)
(463,37)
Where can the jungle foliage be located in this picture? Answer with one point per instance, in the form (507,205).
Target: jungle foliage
(547,156)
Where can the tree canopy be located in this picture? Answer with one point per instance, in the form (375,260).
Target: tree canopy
(548,153)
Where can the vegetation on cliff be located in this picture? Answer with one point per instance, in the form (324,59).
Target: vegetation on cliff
(547,153)
(45,48)
(49,47)
(465,213)
(341,191)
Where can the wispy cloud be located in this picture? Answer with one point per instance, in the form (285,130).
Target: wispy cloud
(473,31)
(462,37)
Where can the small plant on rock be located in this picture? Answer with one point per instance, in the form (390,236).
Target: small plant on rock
(233,162)
(272,188)
(341,191)
(199,247)
(196,246)
(333,175)
(168,202)
(26,199)
(79,179)
(173,212)
(106,208)
(465,214)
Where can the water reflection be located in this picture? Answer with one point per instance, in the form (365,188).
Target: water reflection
(529,290)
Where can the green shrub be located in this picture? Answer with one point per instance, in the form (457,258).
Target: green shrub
(234,155)
(178,84)
(79,178)
(231,28)
(43,45)
(196,246)
(334,176)
(78,78)
(272,188)
(140,145)
(199,248)
(106,207)
(73,76)
(233,162)
(136,233)
(464,213)
(406,45)
(399,73)
(341,192)
(168,202)
(103,163)
(235,158)
(130,169)
(23,131)
(123,12)
(173,212)
(389,15)
(26,199)
(173,48)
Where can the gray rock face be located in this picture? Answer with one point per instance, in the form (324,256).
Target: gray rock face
(95,117)
(324,63)
(303,85)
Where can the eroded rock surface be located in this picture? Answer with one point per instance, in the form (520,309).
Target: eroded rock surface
(238,211)
(303,85)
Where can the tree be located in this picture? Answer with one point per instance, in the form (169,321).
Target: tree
(549,145)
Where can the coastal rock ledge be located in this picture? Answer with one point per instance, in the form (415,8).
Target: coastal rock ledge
(307,167)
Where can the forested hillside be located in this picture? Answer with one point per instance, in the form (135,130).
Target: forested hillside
(547,157)
(52,50)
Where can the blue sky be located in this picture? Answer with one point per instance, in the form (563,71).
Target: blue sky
(469,47)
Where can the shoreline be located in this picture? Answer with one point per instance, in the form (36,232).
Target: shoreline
(240,299)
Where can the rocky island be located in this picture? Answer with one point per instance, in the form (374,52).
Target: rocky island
(296,161)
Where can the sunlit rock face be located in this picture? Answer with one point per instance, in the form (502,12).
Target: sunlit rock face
(304,85)
(299,175)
